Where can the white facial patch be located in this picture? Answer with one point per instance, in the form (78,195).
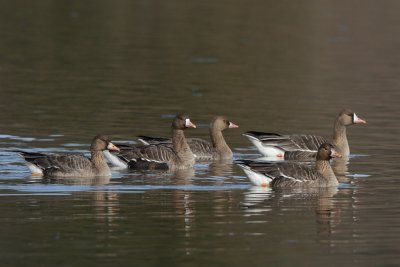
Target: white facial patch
(110,146)
(188,122)
(355,118)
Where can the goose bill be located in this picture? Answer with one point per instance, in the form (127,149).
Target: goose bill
(358,120)
(232,125)
(189,124)
(112,147)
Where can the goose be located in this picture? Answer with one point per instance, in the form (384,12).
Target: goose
(217,149)
(159,156)
(71,165)
(304,146)
(292,175)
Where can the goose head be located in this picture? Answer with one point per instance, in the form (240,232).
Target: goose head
(326,152)
(348,117)
(182,122)
(101,143)
(221,123)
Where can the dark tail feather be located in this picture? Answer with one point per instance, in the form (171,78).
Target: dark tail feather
(142,164)
(30,156)
(244,161)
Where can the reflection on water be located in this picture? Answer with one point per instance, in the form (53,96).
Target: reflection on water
(340,167)
(76,181)
(328,212)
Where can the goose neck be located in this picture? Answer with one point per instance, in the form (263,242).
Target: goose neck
(218,142)
(340,138)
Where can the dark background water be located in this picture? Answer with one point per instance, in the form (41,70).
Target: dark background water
(72,69)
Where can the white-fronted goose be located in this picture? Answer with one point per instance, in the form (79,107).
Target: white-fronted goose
(160,156)
(203,149)
(304,146)
(72,165)
(287,174)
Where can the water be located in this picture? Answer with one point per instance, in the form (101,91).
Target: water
(70,70)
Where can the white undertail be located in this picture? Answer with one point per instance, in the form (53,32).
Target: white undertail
(35,170)
(256,178)
(266,151)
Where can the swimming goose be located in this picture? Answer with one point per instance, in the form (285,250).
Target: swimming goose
(203,149)
(288,174)
(72,165)
(161,156)
(302,146)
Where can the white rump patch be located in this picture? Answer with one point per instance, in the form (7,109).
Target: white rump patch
(265,150)
(256,178)
(35,170)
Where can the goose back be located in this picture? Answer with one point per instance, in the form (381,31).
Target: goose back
(71,165)
(175,154)
(304,146)
(202,149)
(290,174)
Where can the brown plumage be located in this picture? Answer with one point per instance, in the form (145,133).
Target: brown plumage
(72,165)
(161,156)
(288,174)
(302,146)
(203,149)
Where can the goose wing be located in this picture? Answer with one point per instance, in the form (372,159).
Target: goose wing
(305,142)
(283,142)
(64,163)
(295,146)
(285,174)
(157,153)
(149,140)
(201,148)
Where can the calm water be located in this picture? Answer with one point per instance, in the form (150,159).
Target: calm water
(72,69)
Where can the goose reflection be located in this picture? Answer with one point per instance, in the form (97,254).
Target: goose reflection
(182,177)
(75,181)
(261,200)
(340,168)
(107,208)
(221,169)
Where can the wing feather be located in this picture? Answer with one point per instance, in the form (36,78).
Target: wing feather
(286,174)
(203,149)
(295,146)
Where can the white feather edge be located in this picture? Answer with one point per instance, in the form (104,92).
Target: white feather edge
(143,141)
(291,178)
